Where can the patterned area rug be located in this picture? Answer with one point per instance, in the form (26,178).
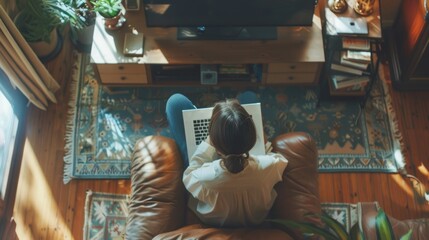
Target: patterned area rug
(105,215)
(105,123)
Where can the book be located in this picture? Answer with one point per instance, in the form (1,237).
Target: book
(352,89)
(133,44)
(347,69)
(351,63)
(358,56)
(356,43)
(341,82)
(233,68)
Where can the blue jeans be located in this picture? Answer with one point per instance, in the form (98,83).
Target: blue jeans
(178,102)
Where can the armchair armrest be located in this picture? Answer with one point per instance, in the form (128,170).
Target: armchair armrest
(298,193)
(157,201)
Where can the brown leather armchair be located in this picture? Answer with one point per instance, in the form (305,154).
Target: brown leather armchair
(158,207)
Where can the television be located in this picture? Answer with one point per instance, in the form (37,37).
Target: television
(228,19)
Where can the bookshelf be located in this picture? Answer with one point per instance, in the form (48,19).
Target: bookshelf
(408,46)
(352,60)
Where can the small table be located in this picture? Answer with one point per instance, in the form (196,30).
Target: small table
(334,48)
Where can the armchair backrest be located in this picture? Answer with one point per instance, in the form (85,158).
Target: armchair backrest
(298,193)
(157,201)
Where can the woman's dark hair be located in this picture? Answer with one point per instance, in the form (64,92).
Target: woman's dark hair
(232,133)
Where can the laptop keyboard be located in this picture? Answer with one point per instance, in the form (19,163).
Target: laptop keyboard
(201,130)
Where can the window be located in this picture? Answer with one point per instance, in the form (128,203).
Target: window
(8,129)
(12,135)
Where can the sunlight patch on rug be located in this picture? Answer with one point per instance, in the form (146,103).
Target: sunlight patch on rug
(104,123)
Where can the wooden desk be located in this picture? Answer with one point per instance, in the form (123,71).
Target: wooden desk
(296,57)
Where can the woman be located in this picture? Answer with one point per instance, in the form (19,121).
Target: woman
(229,187)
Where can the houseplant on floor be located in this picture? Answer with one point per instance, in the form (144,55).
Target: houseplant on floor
(39,22)
(111,11)
(334,230)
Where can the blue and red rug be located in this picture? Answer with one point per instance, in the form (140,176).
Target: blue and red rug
(105,123)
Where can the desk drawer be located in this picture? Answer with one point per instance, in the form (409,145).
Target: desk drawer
(125,78)
(291,78)
(131,68)
(292,67)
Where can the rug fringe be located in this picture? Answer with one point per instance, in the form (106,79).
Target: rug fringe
(71,118)
(88,199)
(394,123)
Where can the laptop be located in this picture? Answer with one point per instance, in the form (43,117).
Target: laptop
(348,25)
(197,123)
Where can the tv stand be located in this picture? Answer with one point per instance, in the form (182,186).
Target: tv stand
(227,33)
(295,57)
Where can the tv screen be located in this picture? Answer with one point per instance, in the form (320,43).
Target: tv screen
(223,14)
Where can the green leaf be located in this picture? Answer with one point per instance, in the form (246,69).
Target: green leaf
(304,228)
(337,227)
(383,226)
(407,236)
(356,233)
(107,8)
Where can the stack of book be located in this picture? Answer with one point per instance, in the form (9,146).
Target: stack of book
(356,43)
(234,72)
(351,72)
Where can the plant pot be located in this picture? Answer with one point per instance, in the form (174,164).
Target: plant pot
(115,22)
(48,50)
(82,38)
(47,43)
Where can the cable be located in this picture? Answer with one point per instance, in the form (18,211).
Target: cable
(418,187)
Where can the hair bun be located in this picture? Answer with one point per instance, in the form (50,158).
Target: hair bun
(235,163)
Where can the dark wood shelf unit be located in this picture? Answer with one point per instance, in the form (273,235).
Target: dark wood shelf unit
(408,46)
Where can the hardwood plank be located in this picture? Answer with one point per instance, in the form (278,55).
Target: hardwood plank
(326,187)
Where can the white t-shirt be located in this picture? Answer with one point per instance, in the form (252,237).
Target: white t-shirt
(222,198)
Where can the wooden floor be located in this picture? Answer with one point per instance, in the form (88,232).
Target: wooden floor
(46,208)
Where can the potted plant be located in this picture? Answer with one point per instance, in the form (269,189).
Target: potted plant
(38,22)
(81,36)
(110,10)
(336,231)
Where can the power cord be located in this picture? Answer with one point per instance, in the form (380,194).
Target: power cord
(419,189)
(420,193)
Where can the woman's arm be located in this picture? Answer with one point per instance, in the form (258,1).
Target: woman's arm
(204,153)
(195,172)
